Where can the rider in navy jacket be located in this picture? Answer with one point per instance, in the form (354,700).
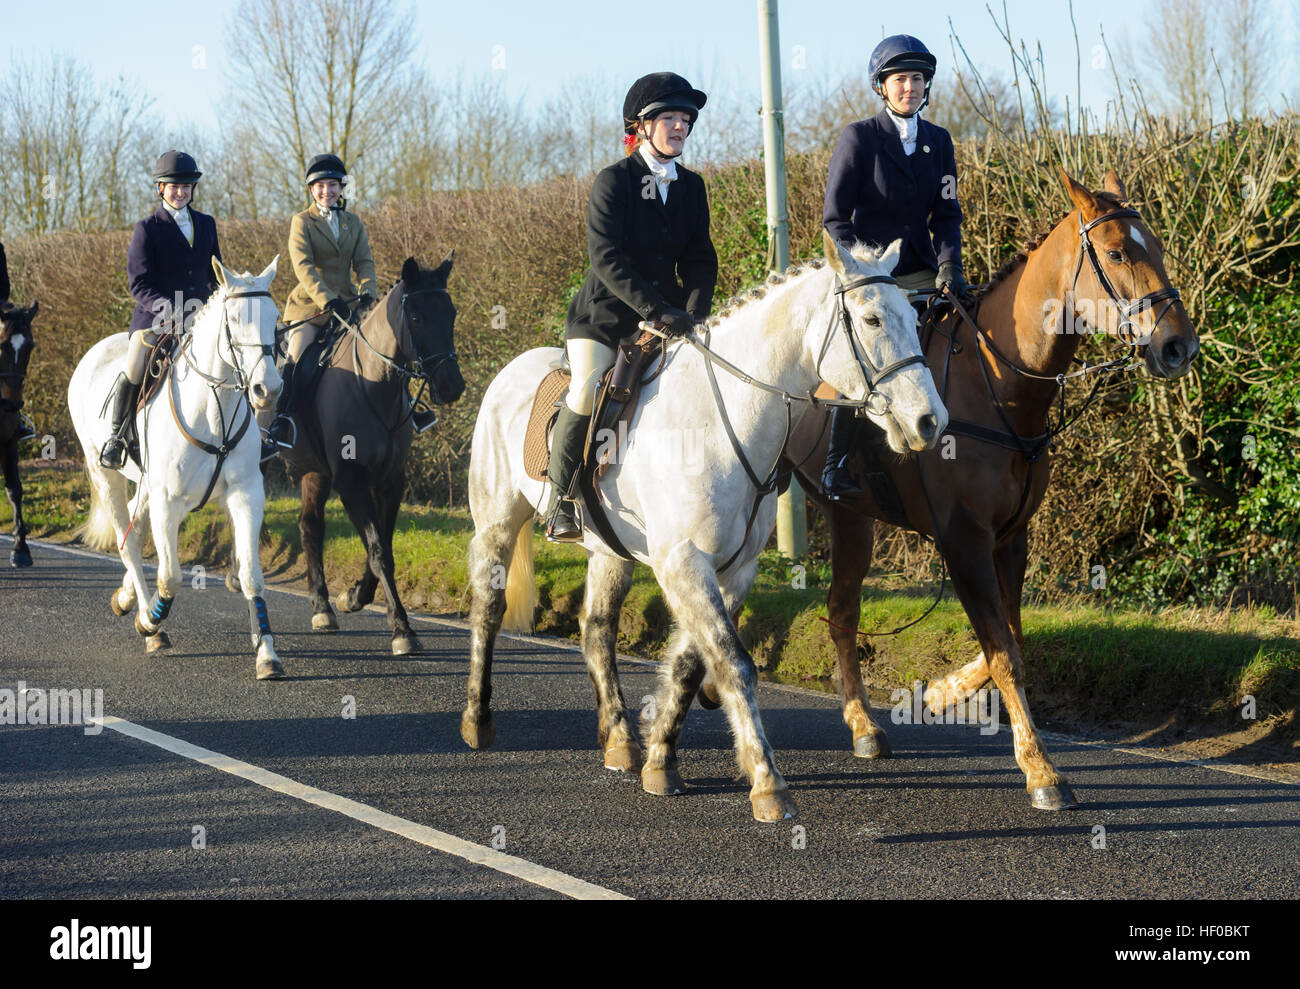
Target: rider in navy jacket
(169,268)
(894,176)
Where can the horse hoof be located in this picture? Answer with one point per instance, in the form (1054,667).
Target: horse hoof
(232,583)
(708,695)
(404,645)
(17,559)
(270,669)
(115,603)
(323,621)
(772,807)
(477,735)
(157,641)
(666,782)
(142,630)
(268,663)
(872,747)
(625,757)
(345,602)
(1056,797)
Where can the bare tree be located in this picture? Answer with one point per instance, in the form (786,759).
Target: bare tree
(311,76)
(1250,49)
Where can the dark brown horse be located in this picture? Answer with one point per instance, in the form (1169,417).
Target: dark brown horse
(16,345)
(1100,269)
(355,434)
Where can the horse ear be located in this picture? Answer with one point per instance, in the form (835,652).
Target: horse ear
(1081,197)
(269,271)
(834,253)
(890,255)
(410,270)
(36,307)
(219,270)
(1114,186)
(444,269)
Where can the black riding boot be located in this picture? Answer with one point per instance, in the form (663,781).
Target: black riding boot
(282,432)
(567,440)
(837,482)
(113,455)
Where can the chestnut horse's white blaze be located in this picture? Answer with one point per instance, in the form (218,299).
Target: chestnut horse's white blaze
(230,365)
(685,520)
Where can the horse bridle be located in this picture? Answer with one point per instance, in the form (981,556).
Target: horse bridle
(18,376)
(241,380)
(875,400)
(1125,307)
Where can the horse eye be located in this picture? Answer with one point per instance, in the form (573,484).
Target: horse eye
(1116,256)
(872,320)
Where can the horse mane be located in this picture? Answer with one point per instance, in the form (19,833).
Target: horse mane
(1020,257)
(728,308)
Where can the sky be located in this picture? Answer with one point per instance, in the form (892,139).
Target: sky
(175,51)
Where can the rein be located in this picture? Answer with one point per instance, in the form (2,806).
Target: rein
(229,440)
(415,369)
(874,400)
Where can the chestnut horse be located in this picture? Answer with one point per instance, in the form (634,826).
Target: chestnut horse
(1100,269)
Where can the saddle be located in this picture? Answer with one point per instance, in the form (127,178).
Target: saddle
(616,401)
(157,369)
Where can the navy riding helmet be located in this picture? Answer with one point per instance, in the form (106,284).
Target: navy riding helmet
(901,53)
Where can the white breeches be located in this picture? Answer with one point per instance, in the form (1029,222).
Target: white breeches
(588,360)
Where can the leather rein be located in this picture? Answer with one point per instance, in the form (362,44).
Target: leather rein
(229,439)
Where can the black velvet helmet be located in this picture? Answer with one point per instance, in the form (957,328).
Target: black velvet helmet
(900,53)
(657,93)
(176,166)
(326,167)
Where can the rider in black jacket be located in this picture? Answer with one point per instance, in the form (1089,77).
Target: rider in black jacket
(651,259)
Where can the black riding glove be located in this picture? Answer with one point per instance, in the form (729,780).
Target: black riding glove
(951,278)
(338,307)
(366,301)
(678,322)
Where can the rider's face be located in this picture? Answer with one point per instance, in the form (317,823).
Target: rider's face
(667,132)
(326,192)
(904,91)
(177,194)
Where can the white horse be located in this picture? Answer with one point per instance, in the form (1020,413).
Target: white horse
(687,514)
(198,440)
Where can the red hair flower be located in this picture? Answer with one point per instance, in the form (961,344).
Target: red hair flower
(629,142)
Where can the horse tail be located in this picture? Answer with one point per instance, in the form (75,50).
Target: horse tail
(521,587)
(98,532)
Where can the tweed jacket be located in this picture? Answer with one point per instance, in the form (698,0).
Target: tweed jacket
(324,266)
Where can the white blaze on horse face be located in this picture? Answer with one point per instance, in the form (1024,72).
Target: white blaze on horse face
(17,340)
(1136,234)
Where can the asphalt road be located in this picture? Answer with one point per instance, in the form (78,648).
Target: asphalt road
(390,803)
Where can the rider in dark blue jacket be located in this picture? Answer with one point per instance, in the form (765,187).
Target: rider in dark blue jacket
(169,268)
(894,176)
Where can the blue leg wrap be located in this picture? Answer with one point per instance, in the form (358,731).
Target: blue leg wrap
(159,608)
(258,624)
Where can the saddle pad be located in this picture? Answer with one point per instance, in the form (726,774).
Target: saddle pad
(536,448)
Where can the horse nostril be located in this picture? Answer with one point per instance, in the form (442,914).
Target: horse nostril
(928,426)
(1174,354)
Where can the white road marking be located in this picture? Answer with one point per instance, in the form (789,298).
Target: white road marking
(1236,769)
(511,865)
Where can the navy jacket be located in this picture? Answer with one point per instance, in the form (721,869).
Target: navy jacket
(876,193)
(640,247)
(161,262)
(4,275)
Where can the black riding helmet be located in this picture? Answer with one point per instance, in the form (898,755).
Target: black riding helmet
(326,167)
(901,53)
(658,93)
(176,166)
